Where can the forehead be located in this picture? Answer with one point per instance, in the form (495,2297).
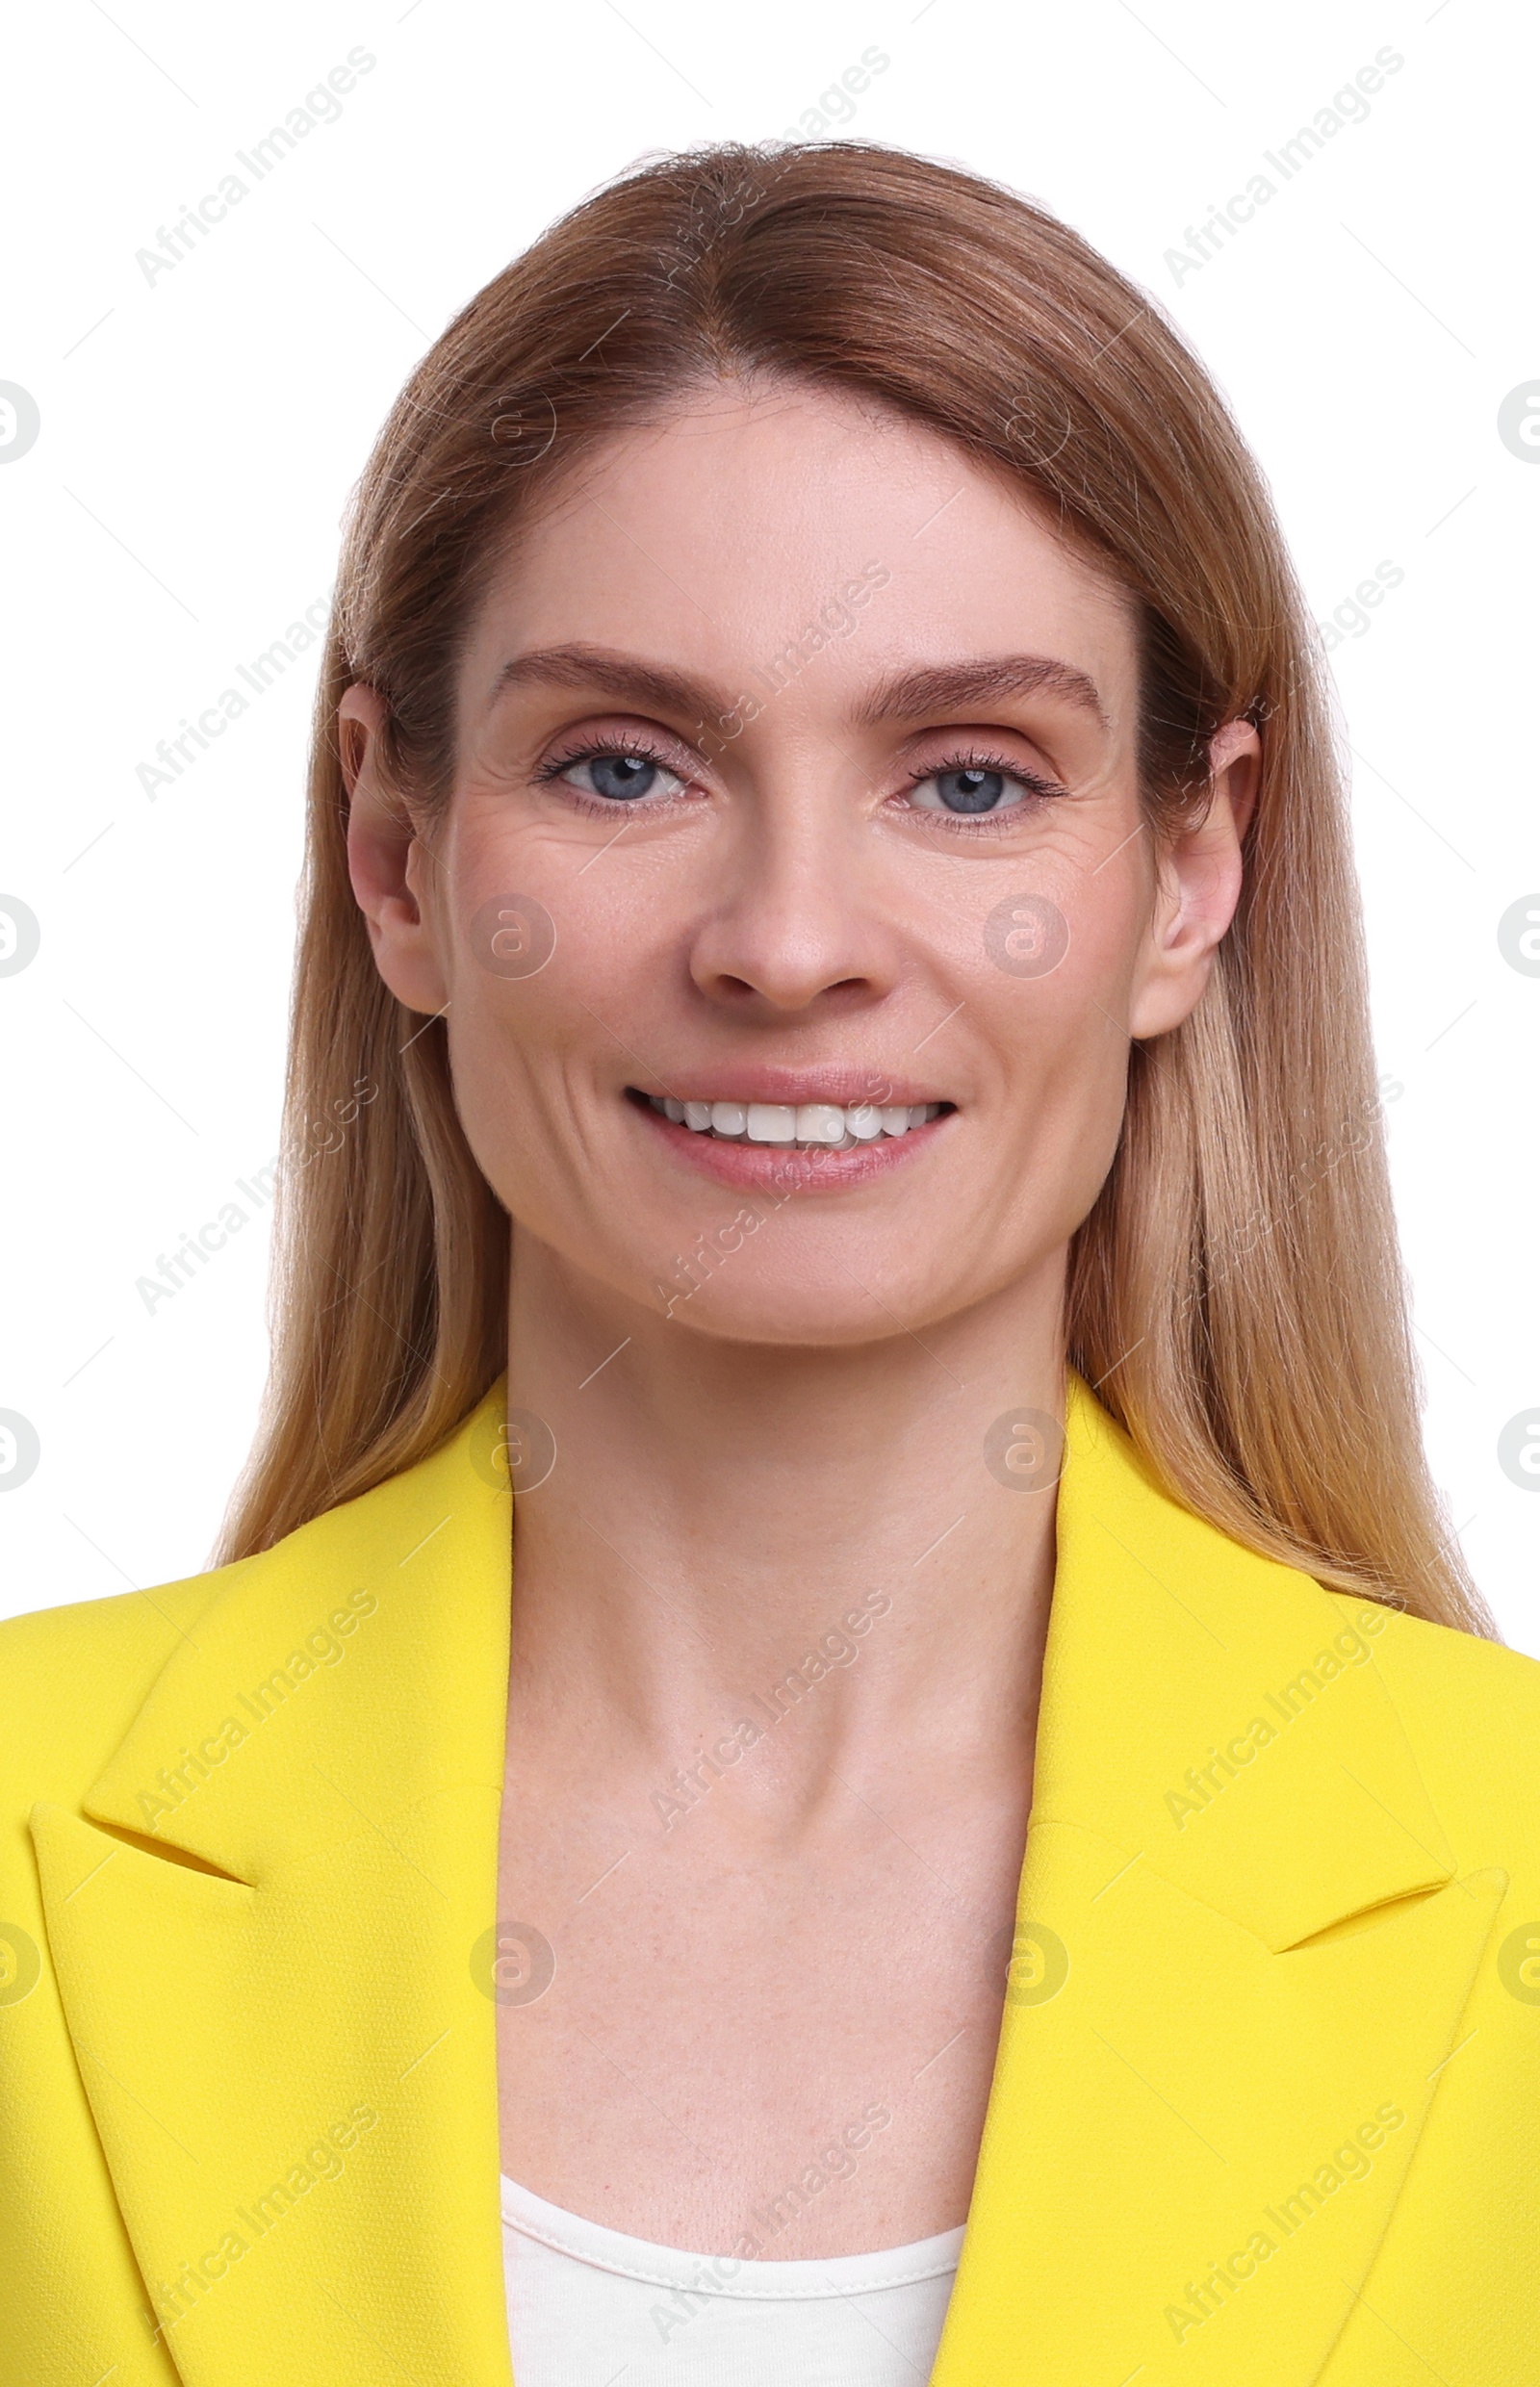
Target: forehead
(745,518)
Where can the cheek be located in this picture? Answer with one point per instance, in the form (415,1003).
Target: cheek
(1055,963)
(512,1044)
(553,978)
(571,905)
(1052,994)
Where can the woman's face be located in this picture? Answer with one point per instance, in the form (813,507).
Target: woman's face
(797,785)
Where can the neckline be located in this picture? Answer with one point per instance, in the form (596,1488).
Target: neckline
(724,2274)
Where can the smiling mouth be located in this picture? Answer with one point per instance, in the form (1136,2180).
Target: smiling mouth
(804,1127)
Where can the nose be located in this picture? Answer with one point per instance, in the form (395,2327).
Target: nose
(796,923)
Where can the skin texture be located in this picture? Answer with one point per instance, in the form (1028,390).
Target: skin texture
(748,1959)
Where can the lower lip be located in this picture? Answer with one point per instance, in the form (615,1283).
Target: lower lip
(786,1168)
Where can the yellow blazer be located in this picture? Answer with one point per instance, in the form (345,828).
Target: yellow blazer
(1265,2104)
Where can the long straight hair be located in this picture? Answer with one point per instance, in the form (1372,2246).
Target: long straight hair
(1236,1296)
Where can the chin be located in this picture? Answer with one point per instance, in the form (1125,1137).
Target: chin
(806,1315)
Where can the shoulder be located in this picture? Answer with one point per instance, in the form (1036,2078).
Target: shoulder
(72,1680)
(1437,1662)
(1471,1709)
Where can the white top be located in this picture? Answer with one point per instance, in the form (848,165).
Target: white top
(590,2307)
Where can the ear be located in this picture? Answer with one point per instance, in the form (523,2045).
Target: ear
(387,862)
(1199,886)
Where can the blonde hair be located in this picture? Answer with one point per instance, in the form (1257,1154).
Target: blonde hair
(1235,1295)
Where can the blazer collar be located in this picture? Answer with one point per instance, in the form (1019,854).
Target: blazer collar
(259,1931)
(1209,1709)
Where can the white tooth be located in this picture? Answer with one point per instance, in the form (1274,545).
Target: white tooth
(820,1122)
(917,1115)
(895,1120)
(864,1121)
(672,1109)
(772,1122)
(729,1119)
(698,1114)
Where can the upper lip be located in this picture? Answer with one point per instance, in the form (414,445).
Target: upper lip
(765,1082)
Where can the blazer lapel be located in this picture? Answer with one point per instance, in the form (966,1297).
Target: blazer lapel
(1211,2076)
(264,1934)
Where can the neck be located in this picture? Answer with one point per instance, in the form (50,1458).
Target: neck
(810,1541)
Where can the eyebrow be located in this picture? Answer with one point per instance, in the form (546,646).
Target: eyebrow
(901,696)
(943,687)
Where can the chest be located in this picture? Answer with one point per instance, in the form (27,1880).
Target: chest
(705,2039)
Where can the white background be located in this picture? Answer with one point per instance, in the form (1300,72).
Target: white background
(200,432)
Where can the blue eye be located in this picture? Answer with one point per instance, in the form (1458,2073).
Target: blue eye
(618,775)
(977,785)
(970,791)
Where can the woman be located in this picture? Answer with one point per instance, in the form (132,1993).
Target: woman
(831,1113)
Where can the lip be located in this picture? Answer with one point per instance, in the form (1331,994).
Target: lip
(767,1083)
(785,1170)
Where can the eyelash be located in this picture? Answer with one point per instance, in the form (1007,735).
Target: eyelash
(1039,790)
(625,743)
(968,758)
